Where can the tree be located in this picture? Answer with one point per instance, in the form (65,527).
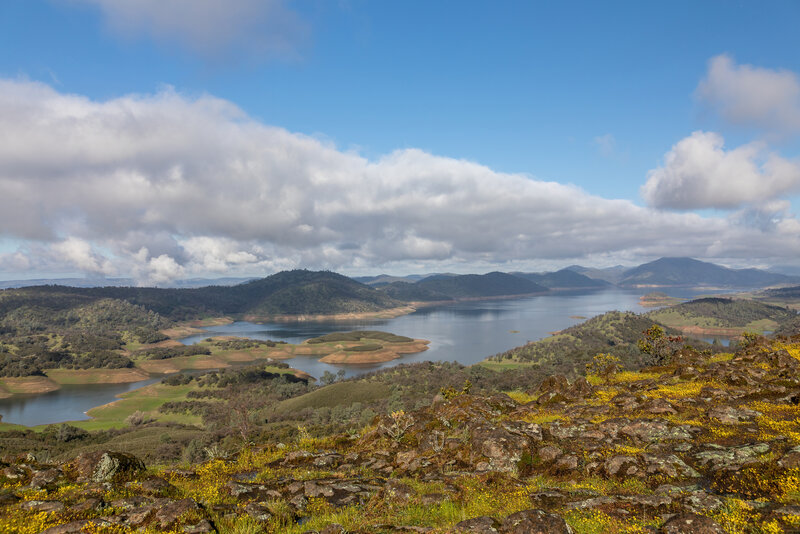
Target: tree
(604,365)
(659,345)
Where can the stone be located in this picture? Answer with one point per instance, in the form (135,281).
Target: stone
(43,506)
(107,466)
(548,453)
(478,525)
(203,527)
(67,528)
(691,524)
(534,522)
(47,477)
(171,513)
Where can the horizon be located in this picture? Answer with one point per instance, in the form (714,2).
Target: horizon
(160,143)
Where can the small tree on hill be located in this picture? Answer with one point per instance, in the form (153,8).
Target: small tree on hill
(658,345)
(604,365)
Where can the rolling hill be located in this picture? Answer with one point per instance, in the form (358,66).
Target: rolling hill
(563,279)
(691,272)
(297,292)
(493,284)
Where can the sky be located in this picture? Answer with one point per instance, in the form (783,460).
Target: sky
(168,139)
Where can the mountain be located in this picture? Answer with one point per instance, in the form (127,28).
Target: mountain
(691,272)
(563,279)
(118,282)
(297,292)
(386,279)
(493,284)
(608,274)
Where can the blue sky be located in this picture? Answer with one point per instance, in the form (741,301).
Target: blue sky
(441,98)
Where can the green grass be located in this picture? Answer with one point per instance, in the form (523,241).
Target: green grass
(147,399)
(504,365)
(342,393)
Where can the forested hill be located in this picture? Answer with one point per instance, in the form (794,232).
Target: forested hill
(295,292)
(563,279)
(691,272)
(447,287)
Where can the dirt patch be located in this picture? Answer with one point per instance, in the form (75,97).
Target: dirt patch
(97,376)
(374,356)
(419,345)
(28,385)
(710,331)
(240,357)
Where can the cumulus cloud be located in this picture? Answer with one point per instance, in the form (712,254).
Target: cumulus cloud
(163,186)
(698,172)
(213,28)
(752,96)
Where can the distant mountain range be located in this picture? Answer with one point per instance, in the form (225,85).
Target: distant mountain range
(284,293)
(691,272)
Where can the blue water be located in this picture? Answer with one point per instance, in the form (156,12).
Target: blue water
(465,332)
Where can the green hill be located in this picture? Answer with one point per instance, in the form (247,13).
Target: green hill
(691,272)
(563,279)
(493,284)
(748,315)
(613,332)
(285,293)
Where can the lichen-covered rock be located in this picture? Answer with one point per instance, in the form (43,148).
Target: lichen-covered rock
(107,466)
(535,522)
(691,524)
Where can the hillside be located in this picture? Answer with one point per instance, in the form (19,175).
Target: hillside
(702,444)
(614,332)
(691,272)
(611,275)
(563,279)
(285,293)
(493,284)
(713,314)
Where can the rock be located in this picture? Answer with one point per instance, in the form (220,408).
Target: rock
(691,524)
(566,464)
(478,525)
(670,466)
(620,466)
(728,415)
(657,431)
(554,384)
(67,528)
(257,511)
(107,466)
(202,527)
(169,514)
(43,506)
(398,490)
(333,528)
(47,477)
(731,457)
(791,459)
(92,504)
(581,388)
(659,407)
(548,453)
(534,522)
(7,498)
(548,498)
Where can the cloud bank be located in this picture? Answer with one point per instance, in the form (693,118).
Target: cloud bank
(163,186)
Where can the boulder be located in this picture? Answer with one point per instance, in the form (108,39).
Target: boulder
(691,524)
(534,522)
(107,466)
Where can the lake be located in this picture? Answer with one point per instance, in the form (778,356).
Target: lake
(465,332)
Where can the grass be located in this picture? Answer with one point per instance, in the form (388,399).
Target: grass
(505,365)
(147,399)
(339,394)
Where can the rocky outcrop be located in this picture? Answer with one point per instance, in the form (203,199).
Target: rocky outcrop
(701,446)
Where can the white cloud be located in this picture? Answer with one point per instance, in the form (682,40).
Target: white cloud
(79,254)
(213,28)
(171,186)
(752,96)
(698,172)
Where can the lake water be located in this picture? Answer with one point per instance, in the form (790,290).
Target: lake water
(466,332)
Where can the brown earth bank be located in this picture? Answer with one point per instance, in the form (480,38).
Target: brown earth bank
(704,444)
(27,385)
(709,331)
